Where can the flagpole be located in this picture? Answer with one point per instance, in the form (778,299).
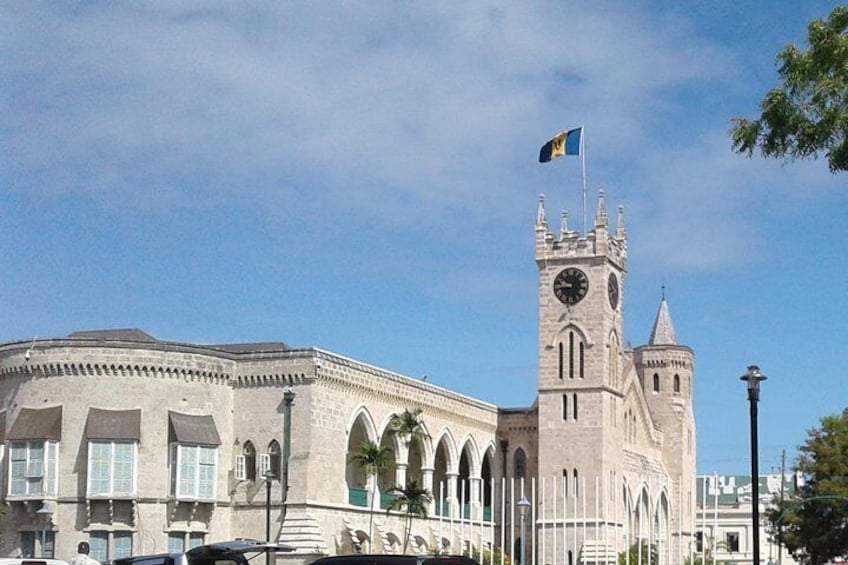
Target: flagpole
(583,163)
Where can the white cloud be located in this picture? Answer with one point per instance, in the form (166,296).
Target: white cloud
(371,112)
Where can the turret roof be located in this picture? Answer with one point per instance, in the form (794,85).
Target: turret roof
(663,332)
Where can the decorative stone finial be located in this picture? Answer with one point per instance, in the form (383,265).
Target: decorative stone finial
(620,232)
(540,215)
(601,216)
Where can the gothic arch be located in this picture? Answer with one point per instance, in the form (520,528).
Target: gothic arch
(358,482)
(661,527)
(577,329)
(249,453)
(447,440)
(445,463)
(469,445)
(518,463)
(614,359)
(487,469)
(362,415)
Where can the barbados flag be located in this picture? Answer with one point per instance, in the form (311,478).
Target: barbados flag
(565,143)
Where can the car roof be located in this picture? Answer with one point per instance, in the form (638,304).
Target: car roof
(391,559)
(31,561)
(236,546)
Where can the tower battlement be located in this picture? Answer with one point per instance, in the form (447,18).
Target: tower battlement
(598,243)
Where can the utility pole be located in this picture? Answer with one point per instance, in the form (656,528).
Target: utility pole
(780,526)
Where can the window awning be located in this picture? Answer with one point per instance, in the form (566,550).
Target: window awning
(113,424)
(198,430)
(32,423)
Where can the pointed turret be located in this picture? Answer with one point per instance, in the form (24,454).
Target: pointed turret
(540,215)
(663,332)
(601,216)
(620,232)
(563,226)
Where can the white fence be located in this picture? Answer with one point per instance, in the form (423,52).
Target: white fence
(589,525)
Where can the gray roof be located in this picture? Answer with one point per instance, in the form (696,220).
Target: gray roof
(191,429)
(134,335)
(37,423)
(116,335)
(113,424)
(663,332)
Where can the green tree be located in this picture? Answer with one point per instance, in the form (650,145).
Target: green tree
(635,553)
(409,426)
(372,459)
(808,112)
(487,556)
(812,522)
(412,500)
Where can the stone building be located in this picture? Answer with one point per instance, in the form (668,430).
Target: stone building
(724,516)
(141,445)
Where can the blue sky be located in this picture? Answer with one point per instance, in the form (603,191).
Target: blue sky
(363,177)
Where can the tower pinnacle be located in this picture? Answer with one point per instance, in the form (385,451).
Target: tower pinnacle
(663,332)
(540,215)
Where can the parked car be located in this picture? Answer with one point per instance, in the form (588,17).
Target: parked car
(236,552)
(389,559)
(31,561)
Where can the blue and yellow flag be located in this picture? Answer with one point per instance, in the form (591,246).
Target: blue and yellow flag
(565,143)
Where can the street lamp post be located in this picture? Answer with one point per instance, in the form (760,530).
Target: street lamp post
(269,476)
(288,400)
(523,507)
(46,513)
(753,377)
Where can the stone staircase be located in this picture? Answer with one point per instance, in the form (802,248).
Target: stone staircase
(594,552)
(302,532)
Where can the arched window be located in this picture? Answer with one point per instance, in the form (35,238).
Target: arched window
(576,483)
(676,384)
(559,363)
(519,464)
(656,382)
(570,355)
(564,407)
(249,453)
(574,412)
(582,364)
(565,482)
(274,463)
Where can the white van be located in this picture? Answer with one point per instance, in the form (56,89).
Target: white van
(31,561)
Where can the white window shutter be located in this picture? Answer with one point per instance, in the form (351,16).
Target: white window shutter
(264,464)
(241,474)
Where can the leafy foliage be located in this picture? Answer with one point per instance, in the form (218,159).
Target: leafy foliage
(812,523)
(409,425)
(373,459)
(487,556)
(634,552)
(807,113)
(413,500)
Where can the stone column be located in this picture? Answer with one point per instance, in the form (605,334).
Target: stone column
(400,474)
(427,480)
(451,480)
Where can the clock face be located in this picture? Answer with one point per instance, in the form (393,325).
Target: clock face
(612,290)
(571,285)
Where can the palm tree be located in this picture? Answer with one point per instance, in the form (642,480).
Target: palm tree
(413,500)
(373,459)
(409,426)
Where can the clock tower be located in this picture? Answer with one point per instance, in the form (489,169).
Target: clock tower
(581,295)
